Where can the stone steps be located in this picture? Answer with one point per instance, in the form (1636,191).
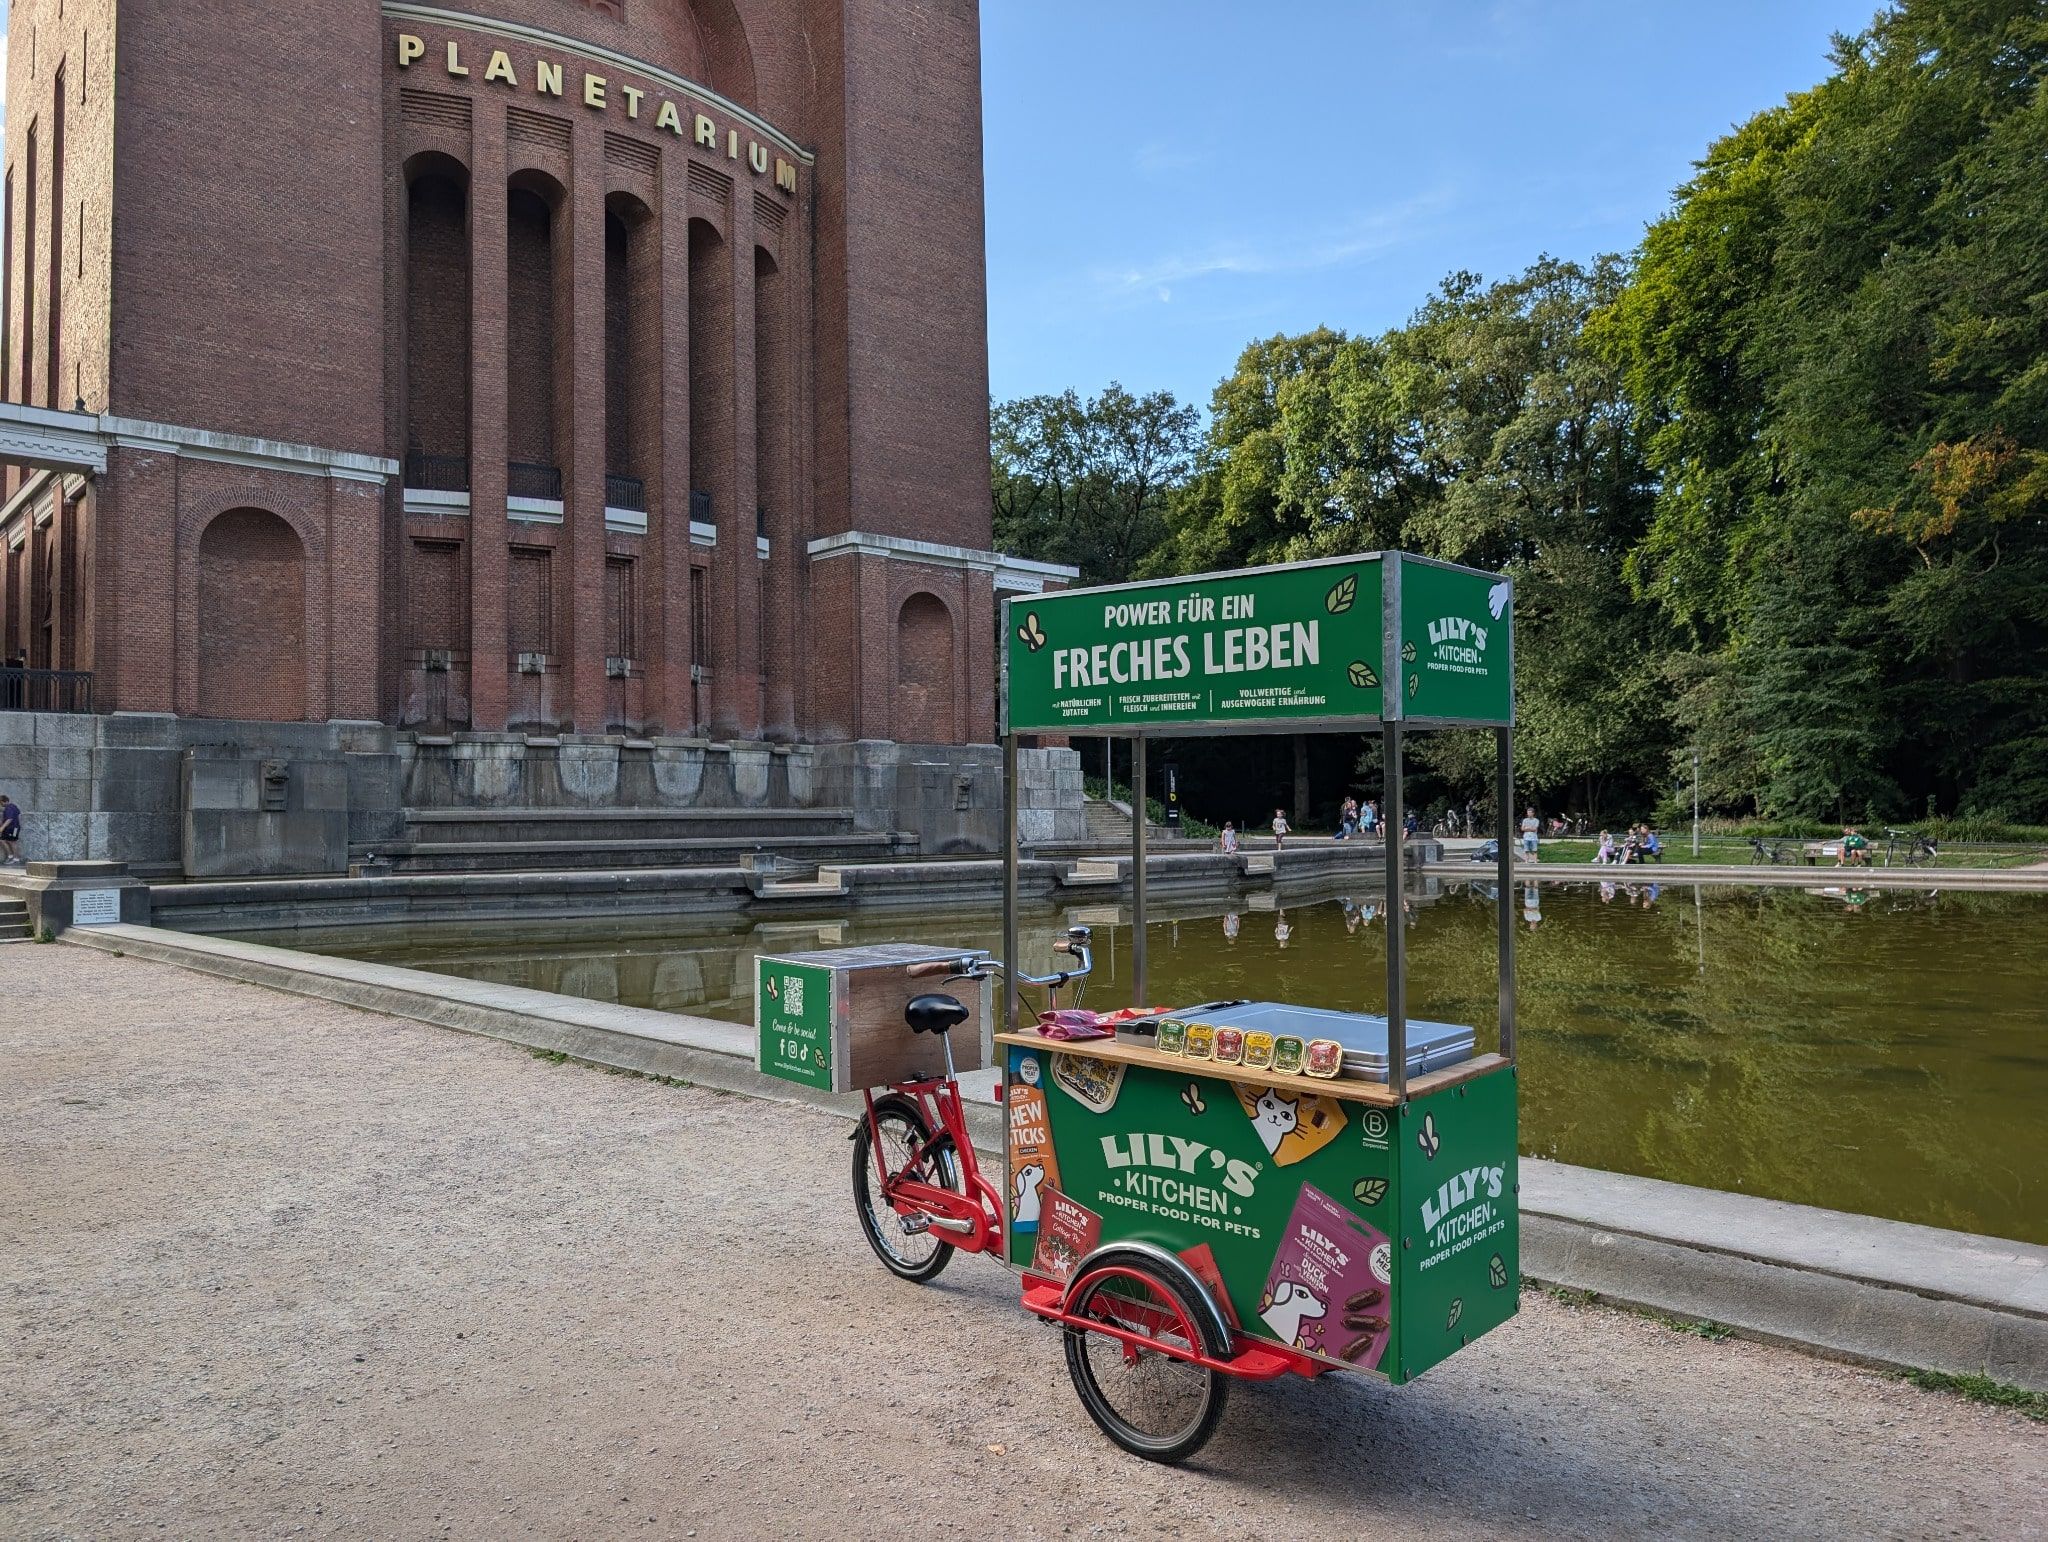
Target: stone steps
(479,856)
(14,925)
(648,824)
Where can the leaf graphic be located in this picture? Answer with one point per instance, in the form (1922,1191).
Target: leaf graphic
(1497,1271)
(1369,1191)
(1457,1311)
(1414,685)
(1340,598)
(1362,676)
(1408,653)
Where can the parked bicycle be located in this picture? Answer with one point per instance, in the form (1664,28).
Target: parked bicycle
(1910,848)
(1773,852)
(917,1188)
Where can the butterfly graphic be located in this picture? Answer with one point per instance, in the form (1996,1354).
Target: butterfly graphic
(1030,633)
(1428,1139)
(1191,1095)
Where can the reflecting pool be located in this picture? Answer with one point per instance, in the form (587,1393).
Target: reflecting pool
(1882,1052)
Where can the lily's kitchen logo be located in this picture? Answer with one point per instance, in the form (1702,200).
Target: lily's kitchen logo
(1130,1155)
(1457,1207)
(1458,640)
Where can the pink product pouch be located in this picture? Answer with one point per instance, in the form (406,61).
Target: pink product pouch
(1070,1023)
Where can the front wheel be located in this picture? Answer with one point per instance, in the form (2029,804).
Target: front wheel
(905,1250)
(1154,1400)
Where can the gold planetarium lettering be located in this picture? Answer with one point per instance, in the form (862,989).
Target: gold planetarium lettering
(601,95)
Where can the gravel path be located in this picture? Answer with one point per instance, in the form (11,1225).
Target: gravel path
(276,1267)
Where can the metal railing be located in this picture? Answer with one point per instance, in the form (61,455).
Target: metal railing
(46,690)
(624,492)
(436,473)
(529,479)
(761,524)
(700,508)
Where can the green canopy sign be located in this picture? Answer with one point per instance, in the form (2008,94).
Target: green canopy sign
(1318,643)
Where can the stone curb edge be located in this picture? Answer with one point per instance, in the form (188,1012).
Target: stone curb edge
(1824,1311)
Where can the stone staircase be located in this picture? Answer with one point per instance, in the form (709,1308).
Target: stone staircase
(512,839)
(1109,824)
(14,925)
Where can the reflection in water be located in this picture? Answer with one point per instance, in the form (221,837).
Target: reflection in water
(1880,1052)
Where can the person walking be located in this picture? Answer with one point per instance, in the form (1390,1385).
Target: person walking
(1280,828)
(10,832)
(1229,839)
(1532,827)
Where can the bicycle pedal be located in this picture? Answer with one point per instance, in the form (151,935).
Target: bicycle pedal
(915,1225)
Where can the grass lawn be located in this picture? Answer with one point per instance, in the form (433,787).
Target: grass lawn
(1720,851)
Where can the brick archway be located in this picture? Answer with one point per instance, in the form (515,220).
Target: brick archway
(252,618)
(926,693)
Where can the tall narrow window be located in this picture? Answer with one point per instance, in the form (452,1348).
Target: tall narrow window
(28,274)
(437,331)
(529,595)
(7,292)
(54,374)
(618,607)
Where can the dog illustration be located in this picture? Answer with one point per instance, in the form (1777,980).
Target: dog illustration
(1275,1120)
(1293,1304)
(1025,1194)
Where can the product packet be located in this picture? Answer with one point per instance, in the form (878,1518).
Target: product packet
(1328,1290)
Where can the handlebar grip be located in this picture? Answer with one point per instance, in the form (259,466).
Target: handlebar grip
(1061,945)
(937,966)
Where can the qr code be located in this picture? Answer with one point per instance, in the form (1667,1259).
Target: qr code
(793,995)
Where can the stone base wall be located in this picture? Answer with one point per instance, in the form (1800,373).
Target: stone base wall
(114,788)
(950,797)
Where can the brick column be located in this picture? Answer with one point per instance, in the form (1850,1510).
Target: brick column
(489,530)
(668,533)
(736,570)
(579,365)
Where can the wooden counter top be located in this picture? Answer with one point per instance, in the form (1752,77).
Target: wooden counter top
(1348,1088)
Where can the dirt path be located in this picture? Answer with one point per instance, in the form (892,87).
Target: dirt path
(275,1267)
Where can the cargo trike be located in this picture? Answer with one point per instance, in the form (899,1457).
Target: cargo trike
(1217,1190)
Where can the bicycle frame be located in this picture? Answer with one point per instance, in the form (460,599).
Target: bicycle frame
(970,1220)
(971,1217)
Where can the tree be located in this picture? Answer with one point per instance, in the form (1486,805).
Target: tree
(1087,482)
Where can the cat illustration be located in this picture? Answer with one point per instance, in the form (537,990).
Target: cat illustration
(1293,1304)
(1026,1193)
(1275,1120)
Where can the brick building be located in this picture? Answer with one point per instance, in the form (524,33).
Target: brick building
(584,368)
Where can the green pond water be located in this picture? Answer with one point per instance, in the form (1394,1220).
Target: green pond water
(1883,1053)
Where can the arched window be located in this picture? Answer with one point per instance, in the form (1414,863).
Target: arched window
(924,671)
(252,618)
(437,318)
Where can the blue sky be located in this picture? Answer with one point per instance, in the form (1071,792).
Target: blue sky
(1168,181)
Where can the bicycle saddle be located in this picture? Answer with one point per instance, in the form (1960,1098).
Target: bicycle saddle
(934,1014)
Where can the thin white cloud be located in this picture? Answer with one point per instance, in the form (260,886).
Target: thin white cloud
(1158,158)
(1361,237)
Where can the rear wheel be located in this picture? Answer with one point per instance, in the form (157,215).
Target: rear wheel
(1155,1402)
(905,1250)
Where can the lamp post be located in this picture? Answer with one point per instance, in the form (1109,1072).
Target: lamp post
(1695,801)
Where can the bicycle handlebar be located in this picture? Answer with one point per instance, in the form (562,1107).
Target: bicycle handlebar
(936,966)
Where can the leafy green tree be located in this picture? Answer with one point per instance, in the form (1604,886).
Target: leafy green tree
(1087,481)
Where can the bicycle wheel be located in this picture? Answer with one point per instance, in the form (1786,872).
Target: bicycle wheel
(1155,1403)
(908,1253)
